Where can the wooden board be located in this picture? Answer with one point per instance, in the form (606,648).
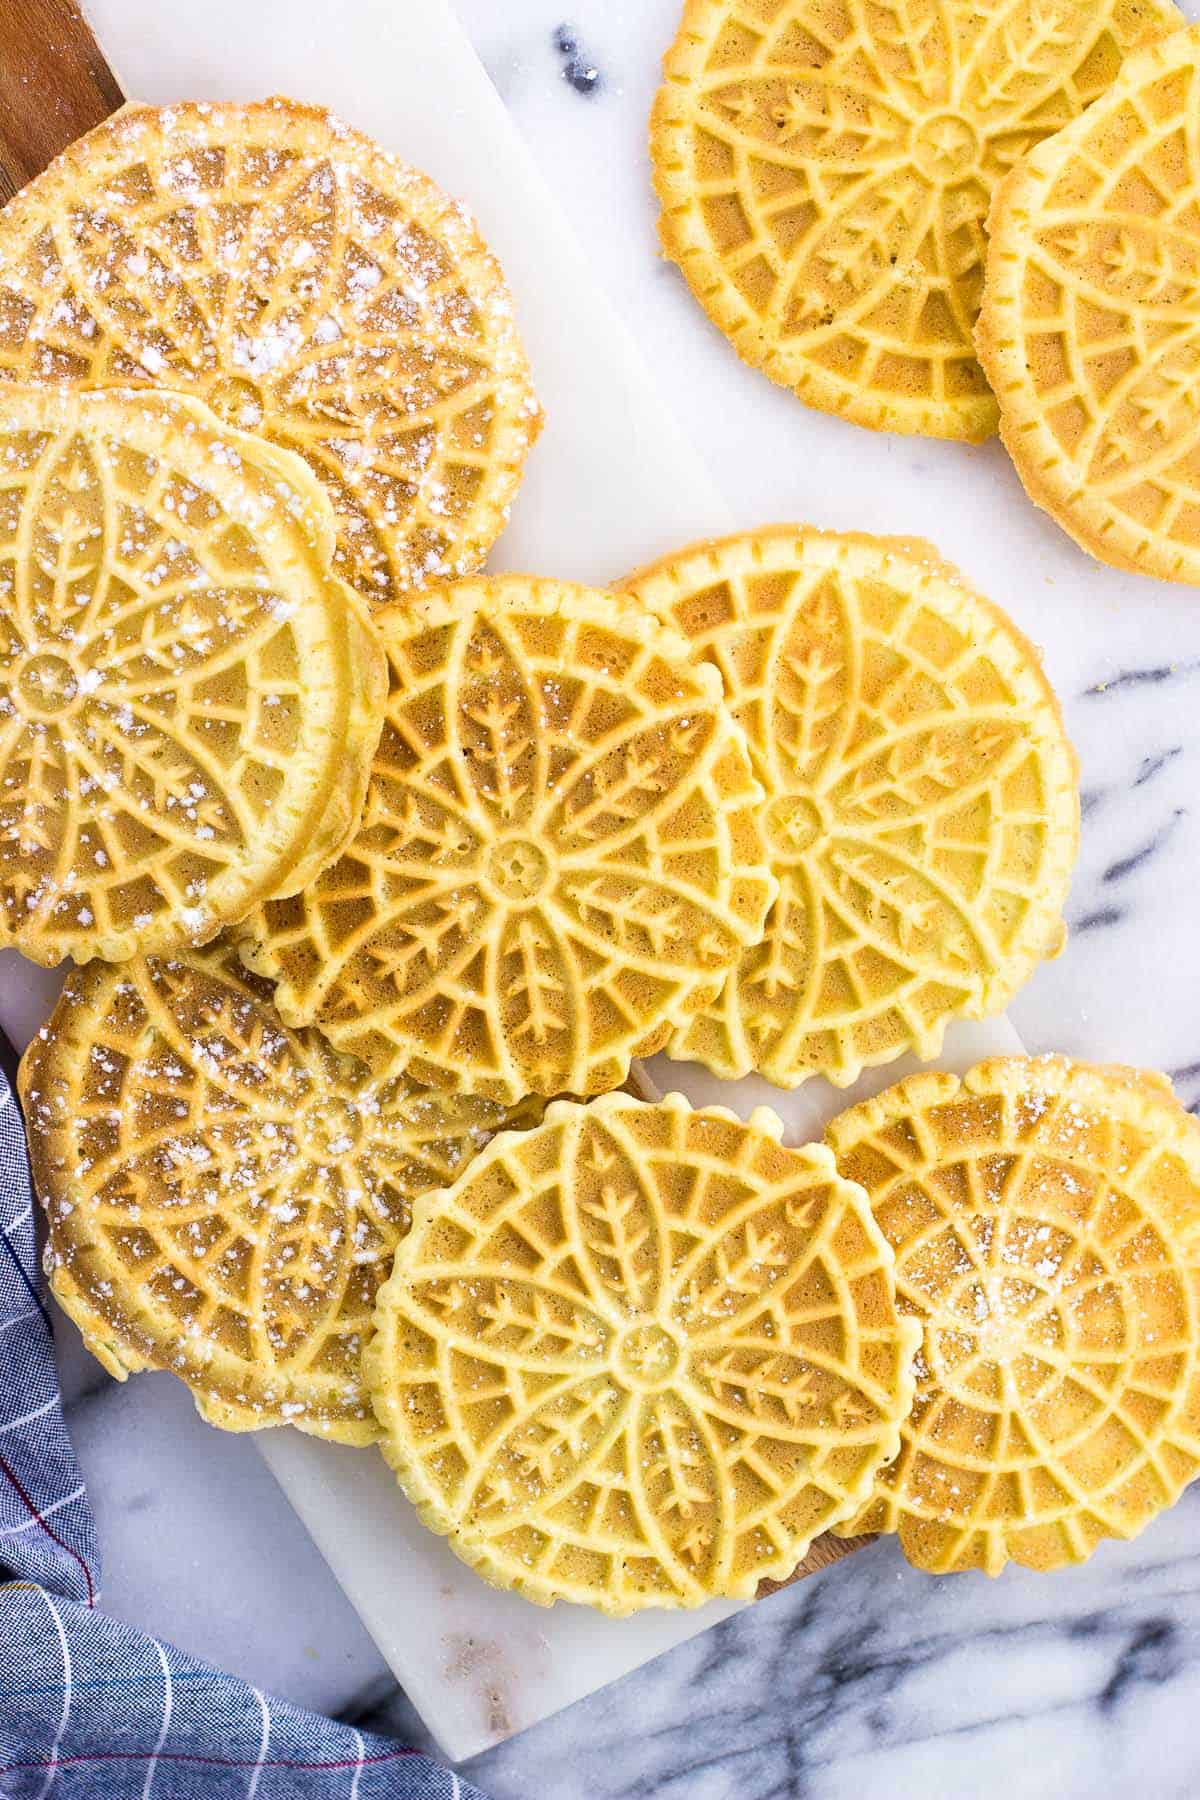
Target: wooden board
(54,86)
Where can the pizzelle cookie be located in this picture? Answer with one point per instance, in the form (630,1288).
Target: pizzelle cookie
(640,1356)
(1046,1221)
(224,1195)
(1090,327)
(559,856)
(309,286)
(189,700)
(920,802)
(825,168)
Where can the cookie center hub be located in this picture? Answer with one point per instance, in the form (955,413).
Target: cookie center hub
(648,1356)
(238,401)
(328,1130)
(793,824)
(1008,1331)
(519,870)
(945,147)
(48,685)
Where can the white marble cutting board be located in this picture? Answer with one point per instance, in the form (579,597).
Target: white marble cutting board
(611,483)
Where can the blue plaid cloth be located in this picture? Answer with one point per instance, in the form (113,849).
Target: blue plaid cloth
(89,1707)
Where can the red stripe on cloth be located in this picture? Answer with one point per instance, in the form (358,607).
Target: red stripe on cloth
(49,1530)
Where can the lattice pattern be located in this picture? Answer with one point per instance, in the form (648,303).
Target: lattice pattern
(224,1195)
(308,286)
(825,169)
(640,1356)
(1090,329)
(920,810)
(559,855)
(1046,1222)
(188,700)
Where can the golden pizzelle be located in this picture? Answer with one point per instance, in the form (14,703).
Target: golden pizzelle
(559,854)
(224,1195)
(640,1356)
(189,701)
(307,285)
(920,811)
(1090,328)
(825,169)
(1045,1218)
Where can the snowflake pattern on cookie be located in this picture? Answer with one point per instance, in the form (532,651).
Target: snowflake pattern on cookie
(920,805)
(559,857)
(1043,1215)
(640,1356)
(189,700)
(224,1195)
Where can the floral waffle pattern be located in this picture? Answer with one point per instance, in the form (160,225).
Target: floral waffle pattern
(640,1356)
(188,700)
(309,287)
(224,1195)
(1044,1218)
(1090,330)
(920,811)
(559,855)
(825,169)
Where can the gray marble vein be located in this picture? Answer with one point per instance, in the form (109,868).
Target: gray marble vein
(871,1677)
(578,69)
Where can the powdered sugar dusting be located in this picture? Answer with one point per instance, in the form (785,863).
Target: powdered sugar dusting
(310,287)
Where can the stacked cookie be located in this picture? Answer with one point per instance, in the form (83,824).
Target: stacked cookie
(261,380)
(382,874)
(947,218)
(308,287)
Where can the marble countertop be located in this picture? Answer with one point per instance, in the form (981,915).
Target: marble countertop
(871,1678)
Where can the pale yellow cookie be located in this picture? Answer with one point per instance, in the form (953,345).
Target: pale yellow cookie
(224,1195)
(560,853)
(825,169)
(309,286)
(1090,327)
(1046,1221)
(640,1356)
(920,802)
(189,700)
